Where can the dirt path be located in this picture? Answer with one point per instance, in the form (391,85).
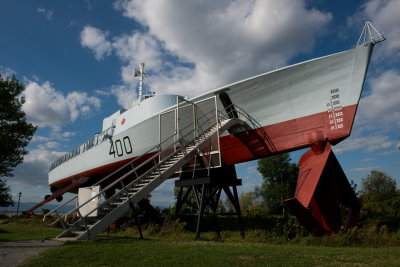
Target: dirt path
(13,253)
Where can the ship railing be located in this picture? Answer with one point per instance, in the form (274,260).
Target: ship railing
(234,110)
(94,141)
(179,145)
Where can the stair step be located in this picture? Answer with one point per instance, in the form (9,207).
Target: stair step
(133,189)
(84,226)
(77,232)
(117,203)
(168,165)
(170,161)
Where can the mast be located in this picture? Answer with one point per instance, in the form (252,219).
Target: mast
(370,34)
(140,73)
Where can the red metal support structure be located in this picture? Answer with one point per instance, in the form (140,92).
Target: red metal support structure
(322,188)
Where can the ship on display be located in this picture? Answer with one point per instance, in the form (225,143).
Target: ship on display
(309,104)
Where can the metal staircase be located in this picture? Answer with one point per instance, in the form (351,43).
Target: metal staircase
(141,180)
(251,133)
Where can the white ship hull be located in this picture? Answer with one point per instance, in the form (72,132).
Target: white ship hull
(297,106)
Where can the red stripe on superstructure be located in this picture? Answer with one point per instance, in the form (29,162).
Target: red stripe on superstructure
(285,136)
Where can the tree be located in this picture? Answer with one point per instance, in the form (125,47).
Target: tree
(280,178)
(5,197)
(378,186)
(190,204)
(15,131)
(247,200)
(381,200)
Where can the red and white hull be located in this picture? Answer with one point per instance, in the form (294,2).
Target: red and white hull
(297,106)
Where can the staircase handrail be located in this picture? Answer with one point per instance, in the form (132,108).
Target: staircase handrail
(59,217)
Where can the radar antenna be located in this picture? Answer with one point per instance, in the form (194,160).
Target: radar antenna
(140,73)
(370,34)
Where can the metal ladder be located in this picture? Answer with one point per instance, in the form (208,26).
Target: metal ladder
(251,133)
(114,207)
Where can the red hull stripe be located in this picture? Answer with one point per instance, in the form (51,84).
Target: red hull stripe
(293,134)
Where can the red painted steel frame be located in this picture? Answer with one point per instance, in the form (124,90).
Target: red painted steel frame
(322,187)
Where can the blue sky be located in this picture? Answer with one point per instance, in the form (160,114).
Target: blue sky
(76,59)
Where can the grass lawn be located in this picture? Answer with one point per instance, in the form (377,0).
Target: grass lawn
(12,229)
(158,252)
(179,249)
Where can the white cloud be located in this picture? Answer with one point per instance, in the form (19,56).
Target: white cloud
(44,106)
(384,15)
(38,138)
(139,48)
(6,72)
(68,134)
(365,169)
(226,40)
(48,14)
(34,169)
(365,143)
(192,47)
(381,108)
(252,170)
(390,152)
(48,145)
(125,95)
(95,39)
(368,159)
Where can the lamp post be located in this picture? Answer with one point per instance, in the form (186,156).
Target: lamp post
(19,199)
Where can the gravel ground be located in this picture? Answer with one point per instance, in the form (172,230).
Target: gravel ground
(14,253)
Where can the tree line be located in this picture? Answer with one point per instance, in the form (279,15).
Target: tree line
(15,132)
(378,194)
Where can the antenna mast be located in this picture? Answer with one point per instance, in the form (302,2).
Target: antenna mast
(140,73)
